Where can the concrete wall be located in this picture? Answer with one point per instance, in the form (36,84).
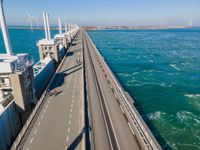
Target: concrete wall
(41,54)
(55,53)
(61,53)
(42,79)
(9,126)
(18,90)
(22,91)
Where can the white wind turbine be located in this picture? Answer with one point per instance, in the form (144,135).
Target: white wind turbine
(191,23)
(37,22)
(30,19)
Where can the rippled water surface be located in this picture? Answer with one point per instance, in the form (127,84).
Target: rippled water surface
(24,41)
(161,70)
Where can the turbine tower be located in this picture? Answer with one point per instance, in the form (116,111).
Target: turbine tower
(37,22)
(45,26)
(48,25)
(30,19)
(65,24)
(191,23)
(5,30)
(60,25)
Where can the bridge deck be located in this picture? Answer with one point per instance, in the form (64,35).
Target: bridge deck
(58,124)
(105,110)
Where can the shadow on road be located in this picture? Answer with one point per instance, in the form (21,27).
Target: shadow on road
(70,68)
(76,141)
(70,54)
(60,78)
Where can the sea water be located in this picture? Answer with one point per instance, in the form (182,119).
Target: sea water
(159,68)
(25,41)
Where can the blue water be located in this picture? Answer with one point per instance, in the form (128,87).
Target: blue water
(161,70)
(24,41)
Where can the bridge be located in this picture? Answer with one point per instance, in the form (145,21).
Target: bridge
(90,109)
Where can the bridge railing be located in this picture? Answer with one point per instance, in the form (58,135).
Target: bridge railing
(146,138)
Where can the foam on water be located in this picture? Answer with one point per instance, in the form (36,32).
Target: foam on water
(166,85)
(175,67)
(156,115)
(162,71)
(185,116)
(193,96)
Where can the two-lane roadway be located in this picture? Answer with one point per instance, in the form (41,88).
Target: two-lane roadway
(110,129)
(59,125)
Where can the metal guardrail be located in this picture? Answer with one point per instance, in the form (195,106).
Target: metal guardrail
(30,118)
(143,131)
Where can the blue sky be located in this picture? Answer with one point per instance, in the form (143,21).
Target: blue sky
(106,12)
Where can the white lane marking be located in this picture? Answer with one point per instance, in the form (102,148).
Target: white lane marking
(48,102)
(69,122)
(67,138)
(66,148)
(38,124)
(70,116)
(31,141)
(42,117)
(71,110)
(27,149)
(68,130)
(35,131)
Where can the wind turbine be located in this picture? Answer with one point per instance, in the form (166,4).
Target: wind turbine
(191,23)
(136,24)
(160,24)
(37,22)
(30,19)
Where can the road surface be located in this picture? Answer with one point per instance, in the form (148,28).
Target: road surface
(59,125)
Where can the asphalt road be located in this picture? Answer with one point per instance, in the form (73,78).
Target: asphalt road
(109,127)
(58,125)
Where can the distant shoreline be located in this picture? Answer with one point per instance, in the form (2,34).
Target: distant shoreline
(110,28)
(137,28)
(28,28)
